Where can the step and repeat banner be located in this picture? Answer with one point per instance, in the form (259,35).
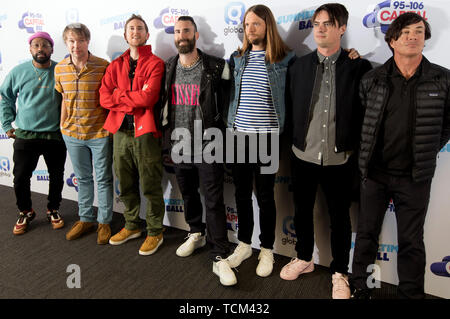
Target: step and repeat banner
(221,32)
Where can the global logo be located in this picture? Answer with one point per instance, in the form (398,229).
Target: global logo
(168,17)
(234,15)
(386,12)
(72,181)
(5,167)
(441,268)
(72,16)
(289,231)
(32,22)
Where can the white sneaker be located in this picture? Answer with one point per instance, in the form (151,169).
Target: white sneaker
(341,287)
(222,269)
(265,265)
(241,253)
(194,241)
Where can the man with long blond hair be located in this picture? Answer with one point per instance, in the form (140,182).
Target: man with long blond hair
(257,107)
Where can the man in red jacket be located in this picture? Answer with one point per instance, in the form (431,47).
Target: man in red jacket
(130,89)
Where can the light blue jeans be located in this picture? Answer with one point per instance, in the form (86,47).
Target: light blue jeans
(87,155)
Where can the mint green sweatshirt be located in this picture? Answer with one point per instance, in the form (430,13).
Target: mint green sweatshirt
(38,103)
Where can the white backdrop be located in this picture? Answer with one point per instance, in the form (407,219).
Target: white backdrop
(220,28)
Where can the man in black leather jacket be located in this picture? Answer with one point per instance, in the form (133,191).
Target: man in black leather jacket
(406,123)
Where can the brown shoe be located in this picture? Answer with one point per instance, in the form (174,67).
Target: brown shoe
(104,233)
(151,244)
(78,229)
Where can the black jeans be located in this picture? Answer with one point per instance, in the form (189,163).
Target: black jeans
(26,156)
(411,202)
(189,177)
(336,184)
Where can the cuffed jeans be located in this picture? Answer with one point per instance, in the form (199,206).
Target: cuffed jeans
(138,162)
(26,156)
(87,155)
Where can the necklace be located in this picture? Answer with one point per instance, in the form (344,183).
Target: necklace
(187,66)
(40,76)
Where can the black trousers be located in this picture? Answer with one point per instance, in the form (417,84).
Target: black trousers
(411,202)
(26,156)
(336,184)
(210,177)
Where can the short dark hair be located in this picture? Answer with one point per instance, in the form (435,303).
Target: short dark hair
(188,18)
(136,17)
(404,20)
(336,12)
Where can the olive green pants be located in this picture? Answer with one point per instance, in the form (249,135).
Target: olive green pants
(138,163)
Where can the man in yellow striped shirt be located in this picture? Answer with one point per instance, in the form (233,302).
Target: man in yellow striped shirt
(78,79)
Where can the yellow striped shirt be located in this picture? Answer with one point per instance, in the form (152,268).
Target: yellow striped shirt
(85,116)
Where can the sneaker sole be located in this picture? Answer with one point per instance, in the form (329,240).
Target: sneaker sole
(238,264)
(231,283)
(151,252)
(116,243)
(58,225)
(304,271)
(179,254)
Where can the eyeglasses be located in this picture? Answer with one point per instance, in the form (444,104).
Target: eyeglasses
(43,46)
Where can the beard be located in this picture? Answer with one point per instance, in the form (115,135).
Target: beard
(41,60)
(185,49)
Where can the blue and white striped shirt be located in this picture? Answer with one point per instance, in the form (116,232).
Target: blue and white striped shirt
(256,112)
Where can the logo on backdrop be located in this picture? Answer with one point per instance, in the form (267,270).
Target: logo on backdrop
(3,135)
(3,17)
(289,238)
(232,219)
(385,251)
(385,12)
(72,16)
(446,148)
(118,21)
(32,22)
(168,17)
(303,18)
(234,15)
(72,181)
(441,268)
(41,175)
(174,205)
(5,167)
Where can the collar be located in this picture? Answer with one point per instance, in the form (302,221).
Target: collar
(332,58)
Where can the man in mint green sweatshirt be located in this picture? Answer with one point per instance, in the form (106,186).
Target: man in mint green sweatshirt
(29,98)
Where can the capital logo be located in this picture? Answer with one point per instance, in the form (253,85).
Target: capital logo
(72,16)
(32,22)
(385,12)
(441,268)
(234,13)
(4,164)
(168,17)
(232,219)
(72,181)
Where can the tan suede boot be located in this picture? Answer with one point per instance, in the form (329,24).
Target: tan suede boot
(103,234)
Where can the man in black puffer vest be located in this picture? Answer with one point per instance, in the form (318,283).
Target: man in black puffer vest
(406,123)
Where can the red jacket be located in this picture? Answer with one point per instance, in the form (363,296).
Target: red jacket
(117,96)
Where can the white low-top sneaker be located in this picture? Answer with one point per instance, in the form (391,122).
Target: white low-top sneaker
(241,253)
(194,241)
(266,261)
(341,286)
(222,269)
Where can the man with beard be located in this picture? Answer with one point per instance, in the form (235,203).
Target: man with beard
(37,133)
(195,96)
(130,90)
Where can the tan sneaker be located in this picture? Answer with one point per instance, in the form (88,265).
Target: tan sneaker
(55,219)
(151,244)
(341,287)
(78,229)
(103,234)
(123,236)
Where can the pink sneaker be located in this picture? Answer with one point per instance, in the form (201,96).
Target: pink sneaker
(295,268)
(341,287)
